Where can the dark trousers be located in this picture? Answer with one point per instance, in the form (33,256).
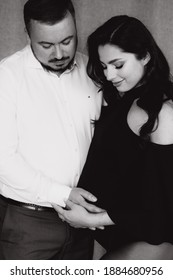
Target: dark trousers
(36,235)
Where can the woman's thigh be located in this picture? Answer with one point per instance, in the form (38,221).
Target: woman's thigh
(141,251)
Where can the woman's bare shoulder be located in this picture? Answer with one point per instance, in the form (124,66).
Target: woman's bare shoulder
(164,132)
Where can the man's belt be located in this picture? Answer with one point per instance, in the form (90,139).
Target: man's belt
(27,205)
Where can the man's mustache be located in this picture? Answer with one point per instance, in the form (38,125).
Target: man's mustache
(58,60)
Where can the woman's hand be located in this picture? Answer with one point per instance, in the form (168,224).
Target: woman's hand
(78,217)
(79,196)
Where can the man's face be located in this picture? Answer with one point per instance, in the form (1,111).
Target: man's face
(54,45)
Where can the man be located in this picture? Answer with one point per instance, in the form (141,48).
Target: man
(47,108)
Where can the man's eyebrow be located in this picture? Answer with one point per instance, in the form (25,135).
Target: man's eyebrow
(44,42)
(49,43)
(69,37)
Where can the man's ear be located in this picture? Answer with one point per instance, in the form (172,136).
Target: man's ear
(146,59)
(27,36)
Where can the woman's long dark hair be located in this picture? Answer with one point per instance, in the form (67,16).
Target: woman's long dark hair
(131,35)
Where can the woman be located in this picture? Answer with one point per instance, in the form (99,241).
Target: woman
(129,164)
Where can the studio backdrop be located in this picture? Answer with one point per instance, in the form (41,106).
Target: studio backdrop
(155,14)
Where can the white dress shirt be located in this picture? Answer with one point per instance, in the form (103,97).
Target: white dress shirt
(45,128)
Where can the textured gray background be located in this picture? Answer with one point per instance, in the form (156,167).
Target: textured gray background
(156,14)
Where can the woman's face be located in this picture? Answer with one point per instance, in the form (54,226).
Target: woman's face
(123,69)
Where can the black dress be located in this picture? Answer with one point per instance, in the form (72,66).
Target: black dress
(132,180)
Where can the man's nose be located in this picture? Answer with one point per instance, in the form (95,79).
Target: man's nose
(58,52)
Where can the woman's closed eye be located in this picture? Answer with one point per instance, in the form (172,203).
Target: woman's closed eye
(119,65)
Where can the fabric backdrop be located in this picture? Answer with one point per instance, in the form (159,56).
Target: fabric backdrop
(156,15)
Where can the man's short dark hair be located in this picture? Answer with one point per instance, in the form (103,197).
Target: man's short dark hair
(47,11)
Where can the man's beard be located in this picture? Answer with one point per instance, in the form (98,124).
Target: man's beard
(60,70)
(51,69)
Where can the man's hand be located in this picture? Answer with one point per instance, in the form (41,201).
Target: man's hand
(77,216)
(79,196)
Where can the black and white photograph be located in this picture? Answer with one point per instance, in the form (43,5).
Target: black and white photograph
(86,135)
